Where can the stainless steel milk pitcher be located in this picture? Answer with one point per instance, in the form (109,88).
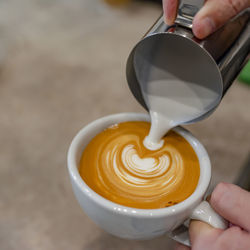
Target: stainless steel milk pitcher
(212,63)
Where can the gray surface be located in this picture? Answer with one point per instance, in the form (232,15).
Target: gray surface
(62,66)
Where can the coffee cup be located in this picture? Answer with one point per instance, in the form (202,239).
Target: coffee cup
(133,223)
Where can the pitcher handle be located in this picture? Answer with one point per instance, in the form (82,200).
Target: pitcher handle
(186,12)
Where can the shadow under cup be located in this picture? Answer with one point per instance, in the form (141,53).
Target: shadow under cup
(126,222)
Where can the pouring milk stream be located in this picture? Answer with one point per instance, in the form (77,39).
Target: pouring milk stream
(171,102)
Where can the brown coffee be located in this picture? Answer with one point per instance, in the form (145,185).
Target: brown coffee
(117,166)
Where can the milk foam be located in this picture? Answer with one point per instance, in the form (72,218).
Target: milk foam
(151,145)
(144,172)
(146,166)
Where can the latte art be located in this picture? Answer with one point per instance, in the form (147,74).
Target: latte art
(153,173)
(116,165)
(146,167)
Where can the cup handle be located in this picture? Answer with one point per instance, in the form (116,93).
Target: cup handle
(203,212)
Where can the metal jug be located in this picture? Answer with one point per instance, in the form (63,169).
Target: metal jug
(211,63)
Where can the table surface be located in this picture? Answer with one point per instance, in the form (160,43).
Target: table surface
(62,65)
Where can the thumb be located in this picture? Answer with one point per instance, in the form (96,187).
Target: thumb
(202,235)
(216,13)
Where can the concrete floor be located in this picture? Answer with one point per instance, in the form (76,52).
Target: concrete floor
(63,65)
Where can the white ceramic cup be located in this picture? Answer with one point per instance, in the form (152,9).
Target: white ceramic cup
(132,223)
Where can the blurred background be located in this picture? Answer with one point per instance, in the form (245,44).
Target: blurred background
(62,65)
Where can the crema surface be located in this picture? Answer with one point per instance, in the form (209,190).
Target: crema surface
(117,166)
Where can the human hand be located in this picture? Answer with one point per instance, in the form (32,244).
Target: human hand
(211,16)
(232,203)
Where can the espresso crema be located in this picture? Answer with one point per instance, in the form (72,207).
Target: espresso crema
(117,166)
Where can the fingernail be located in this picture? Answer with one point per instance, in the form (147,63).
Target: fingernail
(219,195)
(203,27)
(169,21)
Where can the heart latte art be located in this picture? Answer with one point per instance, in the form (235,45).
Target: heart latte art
(116,165)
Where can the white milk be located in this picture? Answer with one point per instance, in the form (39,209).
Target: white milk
(178,81)
(171,103)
